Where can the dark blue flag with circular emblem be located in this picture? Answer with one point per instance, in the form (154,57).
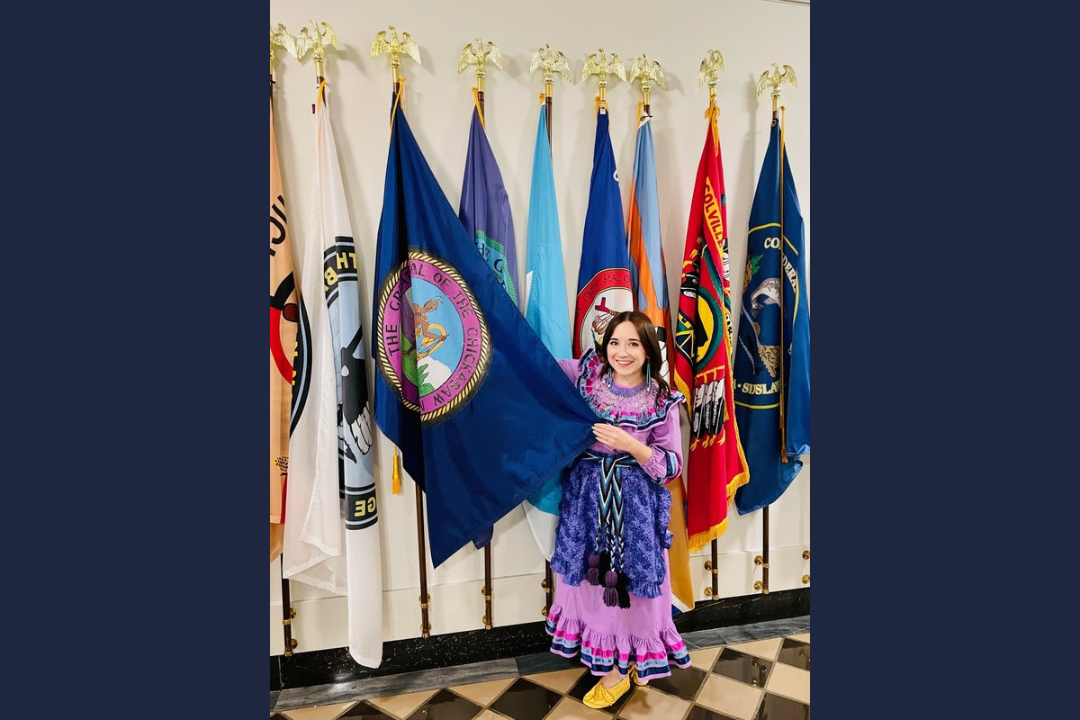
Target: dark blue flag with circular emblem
(480,409)
(772,358)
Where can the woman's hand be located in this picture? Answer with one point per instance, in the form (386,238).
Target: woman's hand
(622,441)
(616,437)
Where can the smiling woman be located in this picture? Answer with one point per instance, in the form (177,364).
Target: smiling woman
(547,191)
(613,586)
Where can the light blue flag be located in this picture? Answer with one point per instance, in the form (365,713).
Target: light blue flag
(546,311)
(545,282)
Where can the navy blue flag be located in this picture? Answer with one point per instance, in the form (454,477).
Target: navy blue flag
(604,274)
(463,380)
(772,357)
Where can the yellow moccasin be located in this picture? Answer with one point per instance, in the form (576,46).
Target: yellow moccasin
(602,697)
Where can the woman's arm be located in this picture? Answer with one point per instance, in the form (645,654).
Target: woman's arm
(661,457)
(665,448)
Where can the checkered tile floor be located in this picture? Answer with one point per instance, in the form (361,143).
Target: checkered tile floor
(759,680)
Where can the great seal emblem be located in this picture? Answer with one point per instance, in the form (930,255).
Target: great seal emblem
(433,348)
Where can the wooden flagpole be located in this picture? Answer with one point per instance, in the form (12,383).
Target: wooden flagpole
(708,73)
(283,38)
(479,54)
(774,79)
(550,62)
(394,47)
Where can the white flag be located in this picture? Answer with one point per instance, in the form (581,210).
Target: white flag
(343,481)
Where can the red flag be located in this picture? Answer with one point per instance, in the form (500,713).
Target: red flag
(716,466)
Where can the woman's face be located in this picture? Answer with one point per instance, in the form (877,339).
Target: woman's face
(626,354)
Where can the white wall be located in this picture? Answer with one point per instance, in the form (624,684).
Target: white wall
(751,35)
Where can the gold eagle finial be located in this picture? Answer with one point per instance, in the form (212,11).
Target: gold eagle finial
(775,78)
(710,67)
(479,54)
(315,42)
(281,37)
(395,47)
(599,64)
(646,72)
(551,62)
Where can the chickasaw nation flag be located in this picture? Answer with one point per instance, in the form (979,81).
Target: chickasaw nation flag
(485,213)
(463,380)
(716,466)
(284,314)
(343,485)
(772,360)
(648,275)
(604,272)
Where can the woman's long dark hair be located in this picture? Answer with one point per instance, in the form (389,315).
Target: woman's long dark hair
(646,332)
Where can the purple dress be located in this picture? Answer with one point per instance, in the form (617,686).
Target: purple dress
(613,589)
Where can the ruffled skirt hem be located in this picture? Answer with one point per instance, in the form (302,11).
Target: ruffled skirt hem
(601,652)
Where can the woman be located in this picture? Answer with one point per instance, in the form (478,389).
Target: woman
(613,590)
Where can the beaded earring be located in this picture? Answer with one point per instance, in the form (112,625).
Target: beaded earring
(648,376)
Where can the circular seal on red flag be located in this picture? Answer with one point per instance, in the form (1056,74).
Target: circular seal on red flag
(433,346)
(607,293)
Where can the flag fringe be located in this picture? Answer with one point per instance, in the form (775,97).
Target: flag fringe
(699,540)
(737,482)
(396,487)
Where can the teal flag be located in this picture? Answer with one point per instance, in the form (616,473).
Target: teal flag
(546,311)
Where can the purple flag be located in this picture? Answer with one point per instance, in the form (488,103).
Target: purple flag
(485,209)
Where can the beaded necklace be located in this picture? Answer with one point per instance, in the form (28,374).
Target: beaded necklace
(613,401)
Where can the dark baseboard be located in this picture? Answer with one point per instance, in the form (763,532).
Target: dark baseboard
(322,667)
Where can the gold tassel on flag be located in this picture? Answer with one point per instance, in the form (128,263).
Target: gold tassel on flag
(396,487)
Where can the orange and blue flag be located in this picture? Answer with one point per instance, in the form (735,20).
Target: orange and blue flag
(648,275)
